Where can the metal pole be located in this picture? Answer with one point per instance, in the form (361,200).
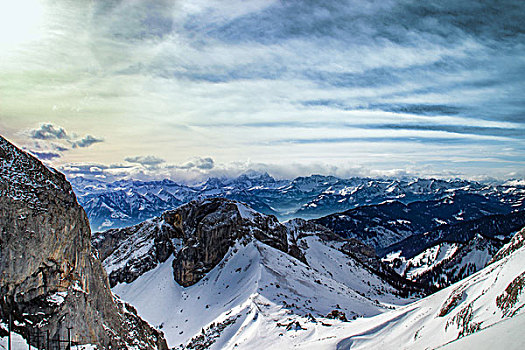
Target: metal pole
(10,327)
(69,337)
(29,338)
(38,338)
(48,339)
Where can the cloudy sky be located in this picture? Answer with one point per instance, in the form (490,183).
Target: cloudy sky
(192,88)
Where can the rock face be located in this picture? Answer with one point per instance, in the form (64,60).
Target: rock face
(49,276)
(198,234)
(210,230)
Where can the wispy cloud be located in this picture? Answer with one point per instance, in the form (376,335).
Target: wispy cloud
(46,155)
(266,80)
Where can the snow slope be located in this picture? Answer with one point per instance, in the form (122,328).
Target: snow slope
(17,342)
(247,311)
(445,263)
(480,302)
(255,280)
(507,334)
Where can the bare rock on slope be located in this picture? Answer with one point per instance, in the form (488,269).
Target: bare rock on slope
(197,234)
(49,275)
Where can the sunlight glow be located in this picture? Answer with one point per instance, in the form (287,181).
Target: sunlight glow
(20,22)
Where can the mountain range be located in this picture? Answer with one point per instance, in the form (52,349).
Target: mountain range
(441,267)
(128,202)
(215,274)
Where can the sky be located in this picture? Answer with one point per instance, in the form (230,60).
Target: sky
(191,89)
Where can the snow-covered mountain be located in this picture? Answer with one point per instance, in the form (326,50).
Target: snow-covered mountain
(445,263)
(214,274)
(128,202)
(449,253)
(210,266)
(483,311)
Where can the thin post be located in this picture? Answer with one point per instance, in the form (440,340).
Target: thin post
(47,339)
(69,337)
(10,326)
(29,338)
(38,338)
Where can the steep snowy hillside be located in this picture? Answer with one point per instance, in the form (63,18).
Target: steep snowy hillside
(471,310)
(445,263)
(254,278)
(127,202)
(214,264)
(482,300)
(449,253)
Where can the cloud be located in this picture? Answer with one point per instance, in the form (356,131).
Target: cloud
(86,141)
(48,131)
(46,155)
(197,163)
(148,161)
(49,137)
(112,172)
(292,170)
(388,76)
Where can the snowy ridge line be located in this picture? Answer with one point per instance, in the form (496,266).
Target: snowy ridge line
(251,280)
(258,297)
(300,270)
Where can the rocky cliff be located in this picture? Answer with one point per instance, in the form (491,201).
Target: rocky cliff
(50,278)
(198,234)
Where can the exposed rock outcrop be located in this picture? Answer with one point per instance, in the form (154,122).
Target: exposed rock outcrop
(49,276)
(198,234)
